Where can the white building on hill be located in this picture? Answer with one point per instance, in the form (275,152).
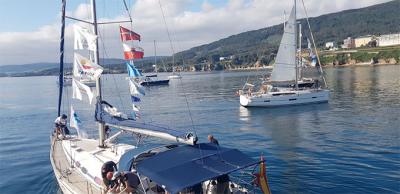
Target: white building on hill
(389,39)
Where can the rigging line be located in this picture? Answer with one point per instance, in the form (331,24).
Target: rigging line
(169,35)
(315,48)
(173,62)
(112,75)
(127,11)
(181,82)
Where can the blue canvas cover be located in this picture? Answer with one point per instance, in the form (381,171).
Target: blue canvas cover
(188,165)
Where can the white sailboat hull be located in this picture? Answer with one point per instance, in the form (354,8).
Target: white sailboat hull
(285,98)
(174,77)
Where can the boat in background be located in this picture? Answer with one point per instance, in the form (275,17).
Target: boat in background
(68,81)
(183,165)
(286,86)
(151,80)
(175,75)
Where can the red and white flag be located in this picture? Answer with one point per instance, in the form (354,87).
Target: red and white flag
(132,53)
(127,34)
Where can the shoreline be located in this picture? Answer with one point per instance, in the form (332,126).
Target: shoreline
(248,68)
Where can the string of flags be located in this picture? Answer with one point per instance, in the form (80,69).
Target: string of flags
(131,53)
(83,69)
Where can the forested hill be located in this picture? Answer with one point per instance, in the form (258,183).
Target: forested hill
(261,45)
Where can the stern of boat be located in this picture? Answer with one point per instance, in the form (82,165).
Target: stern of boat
(244,100)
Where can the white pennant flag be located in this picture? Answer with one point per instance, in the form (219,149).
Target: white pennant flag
(136,89)
(84,39)
(74,120)
(85,67)
(135,108)
(78,88)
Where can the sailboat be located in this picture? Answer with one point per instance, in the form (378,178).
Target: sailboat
(175,74)
(152,80)
(286,86)
(178,166)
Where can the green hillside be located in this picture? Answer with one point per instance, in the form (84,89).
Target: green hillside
(261,45)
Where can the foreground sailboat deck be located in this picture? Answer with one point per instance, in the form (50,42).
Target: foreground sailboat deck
(69,179)
(81,164)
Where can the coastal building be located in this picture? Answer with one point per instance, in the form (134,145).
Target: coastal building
(362,41)
(331,45)
(348,43)
(389,39)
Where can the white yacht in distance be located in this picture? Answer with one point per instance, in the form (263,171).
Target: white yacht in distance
(286,86)
(184,165)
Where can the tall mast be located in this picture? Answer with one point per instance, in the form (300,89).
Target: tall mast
(61,74)
(284,20)
(96,61)
(155,53)
(295,40)
(300,59)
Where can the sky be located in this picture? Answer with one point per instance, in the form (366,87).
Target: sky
(30,29)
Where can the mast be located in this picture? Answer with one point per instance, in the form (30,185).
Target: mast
(96,61)
(295,40)
(61,73)
(155,53)
(300,59)
(284,20)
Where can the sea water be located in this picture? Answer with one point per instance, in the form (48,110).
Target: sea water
(349,145)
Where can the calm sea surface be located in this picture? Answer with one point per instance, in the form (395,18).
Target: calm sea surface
(350,145)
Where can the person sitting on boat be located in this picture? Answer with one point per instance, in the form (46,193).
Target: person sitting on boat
(61,125)
(107,130)
(196,189)
(129,180)
(211,139)
(113,185)
(223,184)
(107,171)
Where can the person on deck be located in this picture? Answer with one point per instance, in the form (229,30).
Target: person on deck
(211,139)
(129,180)
(107,171)
(61,125)
(107,130)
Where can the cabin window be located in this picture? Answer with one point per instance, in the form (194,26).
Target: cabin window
(291,99)
(314,97)
(266,100)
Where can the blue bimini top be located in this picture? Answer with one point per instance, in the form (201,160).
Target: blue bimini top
(188,165)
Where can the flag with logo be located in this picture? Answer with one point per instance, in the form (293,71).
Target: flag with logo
(85,67)
(78,88)
(84,39)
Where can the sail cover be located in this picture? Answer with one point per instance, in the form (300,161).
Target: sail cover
(120,119)
(186,166)
(285,66)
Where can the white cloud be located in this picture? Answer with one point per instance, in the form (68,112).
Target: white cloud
(188,28)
